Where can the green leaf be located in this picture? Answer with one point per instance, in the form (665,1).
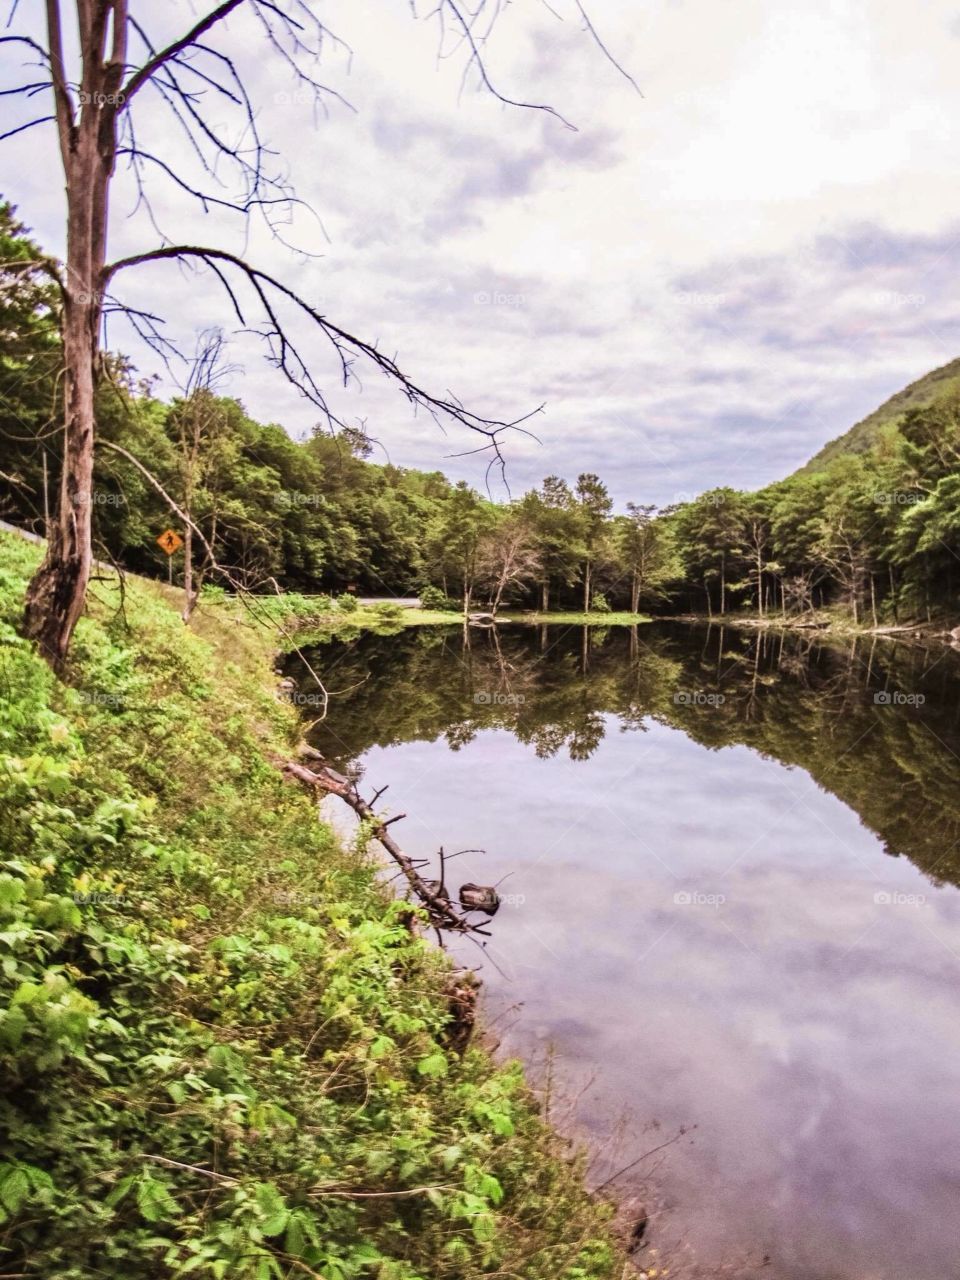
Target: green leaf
(13,1023)
(275,1213)
(11,891)
(154,1200)
(491,1188)
(14,1188)
(120,1190)
(301,1233)
(483,1227)
(434,1065)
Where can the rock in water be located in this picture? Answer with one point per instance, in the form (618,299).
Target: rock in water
(638,1232)
(480,897)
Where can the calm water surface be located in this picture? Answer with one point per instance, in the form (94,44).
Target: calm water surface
(729,864)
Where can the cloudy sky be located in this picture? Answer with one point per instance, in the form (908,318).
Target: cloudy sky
(703,284)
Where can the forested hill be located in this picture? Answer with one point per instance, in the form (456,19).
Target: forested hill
(938,384)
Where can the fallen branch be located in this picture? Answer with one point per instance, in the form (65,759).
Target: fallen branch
(681,1132)
(380,1195)
(432,893)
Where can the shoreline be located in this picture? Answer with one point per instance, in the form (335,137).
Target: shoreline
(306,629)
(830,628)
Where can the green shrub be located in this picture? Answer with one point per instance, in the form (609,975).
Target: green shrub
(388,609)
(599,603)
(347,603)
(433,598)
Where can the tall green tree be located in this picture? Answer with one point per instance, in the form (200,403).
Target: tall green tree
(31,356)
(463,522)
(552,512)
(710,540)
(643,553)
(594,507)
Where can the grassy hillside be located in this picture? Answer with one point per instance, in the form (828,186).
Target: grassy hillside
(221,1052)
(927,390)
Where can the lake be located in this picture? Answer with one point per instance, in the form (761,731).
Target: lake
(729,864)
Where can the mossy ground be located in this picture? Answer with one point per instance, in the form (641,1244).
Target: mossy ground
(379,618)
(222,1054)
(612,618)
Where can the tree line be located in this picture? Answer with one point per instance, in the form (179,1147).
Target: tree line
(876,534)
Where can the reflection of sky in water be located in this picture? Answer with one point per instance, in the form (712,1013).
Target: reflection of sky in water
(810,1032)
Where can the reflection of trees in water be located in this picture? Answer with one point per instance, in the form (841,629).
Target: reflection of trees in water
(795,698)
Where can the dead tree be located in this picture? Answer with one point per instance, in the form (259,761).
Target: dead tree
(93,111)
(508,557)
(198,422)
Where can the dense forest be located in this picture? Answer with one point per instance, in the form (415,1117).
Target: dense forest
(871,526)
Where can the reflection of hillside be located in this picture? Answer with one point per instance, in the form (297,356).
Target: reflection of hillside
(800,701)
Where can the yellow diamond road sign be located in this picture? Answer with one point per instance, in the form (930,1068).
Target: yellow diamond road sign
(170,541)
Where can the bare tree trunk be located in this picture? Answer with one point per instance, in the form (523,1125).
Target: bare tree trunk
(723,583)
(498,594)
(586,587)
(873,600)
(190,600)
(759,581)
(635,593)
(545,596)
(46,498)
(56,595)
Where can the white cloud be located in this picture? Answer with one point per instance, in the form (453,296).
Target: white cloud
(704,284)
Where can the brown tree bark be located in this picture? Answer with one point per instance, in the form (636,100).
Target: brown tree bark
(189,595)
(88,150)
(759,580)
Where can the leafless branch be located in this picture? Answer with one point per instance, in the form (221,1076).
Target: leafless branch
(286,354)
